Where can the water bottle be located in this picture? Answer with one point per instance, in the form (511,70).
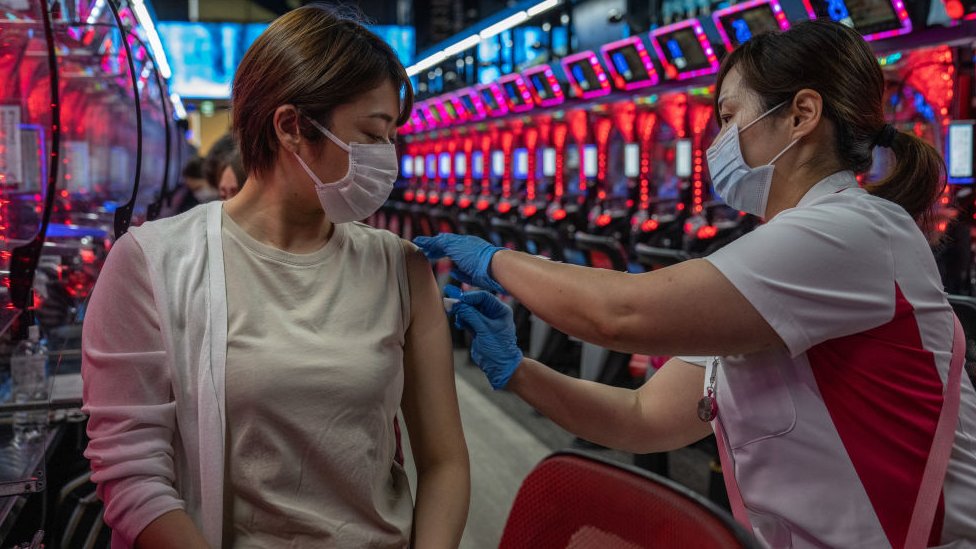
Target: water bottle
(28,370)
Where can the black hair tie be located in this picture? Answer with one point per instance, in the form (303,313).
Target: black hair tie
(886,137)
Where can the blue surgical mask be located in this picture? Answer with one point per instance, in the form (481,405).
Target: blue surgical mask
(739,185)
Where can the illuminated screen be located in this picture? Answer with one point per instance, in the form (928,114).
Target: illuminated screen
(867,16)
(204,56)
(449,108)
(497,163)
(589,161)
(489,99)
(960,157)
(548,162)
(683,50)
(406,166)
(436,113)
(418,166)
(682,158)
(478,165)
(628,64)
(541,85)
(460,164)
(444,165)
(521,163)
(514,95)
(631,160)
(431,166)
(584,74)
(468,105)
(743,25)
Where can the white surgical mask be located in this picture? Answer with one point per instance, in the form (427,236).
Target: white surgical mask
(364,188)
(739,185)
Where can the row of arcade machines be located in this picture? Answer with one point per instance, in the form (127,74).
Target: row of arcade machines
(620,181)
(89,146)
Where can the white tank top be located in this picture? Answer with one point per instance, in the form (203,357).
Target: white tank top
(314,380)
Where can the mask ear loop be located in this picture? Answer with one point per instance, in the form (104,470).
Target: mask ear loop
(329,134)
(761,116)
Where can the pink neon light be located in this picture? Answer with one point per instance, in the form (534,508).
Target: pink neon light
(601,76)
(462,113)
(446,118)
(618,79)
(522,90)
(722,13)
(905,22)
(551,81)
(706,46)
(499,96)
(479,105)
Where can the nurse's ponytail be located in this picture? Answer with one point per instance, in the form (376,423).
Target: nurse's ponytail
(918,176)
(835,61)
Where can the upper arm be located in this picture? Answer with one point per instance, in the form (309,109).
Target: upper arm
(810,276)
(128,395)
(430,405)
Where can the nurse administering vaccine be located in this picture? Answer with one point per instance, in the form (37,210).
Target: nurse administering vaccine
(835,390)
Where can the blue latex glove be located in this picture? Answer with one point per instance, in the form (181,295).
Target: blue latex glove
(470,254)
(494,348)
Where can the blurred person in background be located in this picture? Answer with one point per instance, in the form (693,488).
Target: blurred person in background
(232,177)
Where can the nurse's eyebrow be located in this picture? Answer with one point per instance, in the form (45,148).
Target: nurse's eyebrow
(382,116)
(723,99)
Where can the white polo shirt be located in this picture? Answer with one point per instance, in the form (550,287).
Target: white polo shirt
(830,436)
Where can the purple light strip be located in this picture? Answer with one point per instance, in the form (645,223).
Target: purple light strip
(606,49)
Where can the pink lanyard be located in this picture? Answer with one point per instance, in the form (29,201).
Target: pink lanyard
(935,468)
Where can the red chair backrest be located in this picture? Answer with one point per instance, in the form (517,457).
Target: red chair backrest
(573,500)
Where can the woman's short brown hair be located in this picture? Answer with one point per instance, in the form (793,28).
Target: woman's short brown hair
(315,58)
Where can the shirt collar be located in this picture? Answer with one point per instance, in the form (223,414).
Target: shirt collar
(840,181)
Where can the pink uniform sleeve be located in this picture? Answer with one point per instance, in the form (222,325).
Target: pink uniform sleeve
(128,396)
(814,273)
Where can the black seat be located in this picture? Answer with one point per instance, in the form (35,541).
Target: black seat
(510,233)
(546,241)
(965,309)
(653,257)
(606,245)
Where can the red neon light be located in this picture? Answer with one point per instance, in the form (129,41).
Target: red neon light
(409,195)
(464,203)
(531,140)
(421,197)
(504,207)
(647,122)
(603,220)
(530,210)
(559,134)
(559,215)
(602,131)
(625,115)
(701,115)
(448,200)
(706,232)
(650,225)
(482,205)
(433,199)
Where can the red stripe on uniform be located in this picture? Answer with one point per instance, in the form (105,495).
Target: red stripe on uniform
(884,394)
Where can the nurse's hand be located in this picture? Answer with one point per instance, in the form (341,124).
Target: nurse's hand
(494,348)
(470,254)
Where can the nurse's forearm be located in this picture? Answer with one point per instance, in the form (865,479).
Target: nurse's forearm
(654,418)
(579,301)
(442,505)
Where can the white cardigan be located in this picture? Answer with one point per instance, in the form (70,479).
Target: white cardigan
(140,460)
